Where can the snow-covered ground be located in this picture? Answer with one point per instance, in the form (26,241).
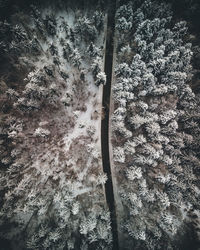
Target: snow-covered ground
(61,177)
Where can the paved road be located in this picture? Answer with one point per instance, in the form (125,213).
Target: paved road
(105,122)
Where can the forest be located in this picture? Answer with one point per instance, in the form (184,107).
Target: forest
(99,125)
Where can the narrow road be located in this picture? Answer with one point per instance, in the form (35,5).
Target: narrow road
(108,67)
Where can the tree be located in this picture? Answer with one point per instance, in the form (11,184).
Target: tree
(98,20)
(50,24)
(123,24)
(75,58)
(41,132)
(101,78)
(157,74)
(85,29)
(133,173)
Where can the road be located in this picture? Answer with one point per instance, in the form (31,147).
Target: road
(108,67)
